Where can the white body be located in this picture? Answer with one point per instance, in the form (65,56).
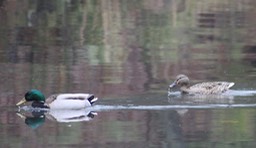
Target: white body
(71,101)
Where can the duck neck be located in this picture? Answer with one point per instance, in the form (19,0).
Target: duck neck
(185,89)
(39,104)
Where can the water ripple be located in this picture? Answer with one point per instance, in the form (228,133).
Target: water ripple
(167,107)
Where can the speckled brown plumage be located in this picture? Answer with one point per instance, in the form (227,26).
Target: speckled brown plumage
(205,88)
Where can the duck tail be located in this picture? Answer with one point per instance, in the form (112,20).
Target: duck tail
(231,84)
(92,99)
(92,114)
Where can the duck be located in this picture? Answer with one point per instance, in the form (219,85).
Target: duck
(205,88)
(58,101)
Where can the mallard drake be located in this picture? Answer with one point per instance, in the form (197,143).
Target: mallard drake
(58,101)
(205,88)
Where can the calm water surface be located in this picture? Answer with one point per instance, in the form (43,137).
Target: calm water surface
(127,53)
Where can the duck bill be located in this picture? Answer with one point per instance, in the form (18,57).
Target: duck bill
(172,85)
(22,101)
(21,116)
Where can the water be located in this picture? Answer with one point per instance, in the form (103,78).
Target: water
(127,54)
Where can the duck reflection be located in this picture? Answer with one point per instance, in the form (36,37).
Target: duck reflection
(35,118)
(179,98)
(186,101)
(71,115)
(32,121)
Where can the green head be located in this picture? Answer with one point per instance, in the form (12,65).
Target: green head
(32,95)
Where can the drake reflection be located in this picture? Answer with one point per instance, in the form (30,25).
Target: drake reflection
(34,118)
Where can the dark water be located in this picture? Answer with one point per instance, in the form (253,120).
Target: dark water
(127,53)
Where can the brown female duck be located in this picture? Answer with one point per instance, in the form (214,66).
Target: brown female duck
(205,88)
